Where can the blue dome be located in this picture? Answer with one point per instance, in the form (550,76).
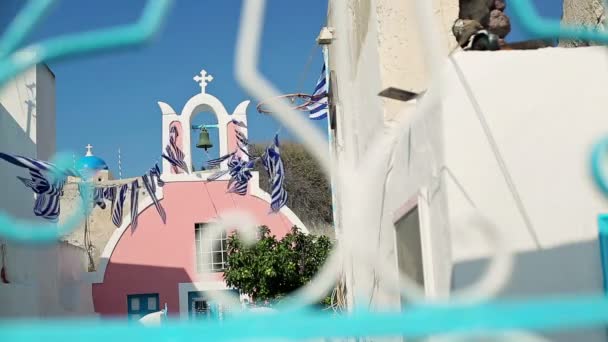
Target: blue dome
(93,163)
(90,164)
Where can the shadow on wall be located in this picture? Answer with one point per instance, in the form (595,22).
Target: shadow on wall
(31,105)
(564,270)
(13,139)
(110,298)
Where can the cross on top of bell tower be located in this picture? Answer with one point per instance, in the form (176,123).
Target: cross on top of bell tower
(203,79)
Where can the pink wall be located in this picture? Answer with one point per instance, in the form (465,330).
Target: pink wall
(156,257)
(231,136)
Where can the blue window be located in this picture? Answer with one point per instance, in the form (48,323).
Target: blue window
(139,305)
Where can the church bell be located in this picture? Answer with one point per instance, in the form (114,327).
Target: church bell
(203,140)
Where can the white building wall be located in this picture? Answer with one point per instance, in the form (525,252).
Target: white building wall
(383,50)
(44,280)
(18,136)
(544,108)
(544,118)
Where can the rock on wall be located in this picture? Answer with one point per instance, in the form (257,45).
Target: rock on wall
(583,12)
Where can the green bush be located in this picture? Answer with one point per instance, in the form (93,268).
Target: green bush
(271,269)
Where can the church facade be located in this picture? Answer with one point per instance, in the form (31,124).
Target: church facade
(136,270)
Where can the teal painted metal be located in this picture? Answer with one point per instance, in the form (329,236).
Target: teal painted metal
(87,42)
(560,313)
(525,14)
(418,321)
(23,24)
(603,239)
(205,126)
(12,229)
(598,159)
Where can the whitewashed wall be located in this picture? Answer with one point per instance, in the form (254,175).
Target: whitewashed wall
(544,108)
(383,51)
(44,281)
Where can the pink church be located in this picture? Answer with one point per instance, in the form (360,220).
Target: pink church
(142,270)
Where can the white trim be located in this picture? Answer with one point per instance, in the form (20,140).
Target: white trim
(424,217)
(418,201)
(98,276)
(256,191)
(191,108)
(184,288)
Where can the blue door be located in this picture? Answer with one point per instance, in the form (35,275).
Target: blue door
(139,305)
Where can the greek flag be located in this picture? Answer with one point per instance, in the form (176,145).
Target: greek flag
(217,161)
(242,143)
(47,186)
(240,174)
(151,189)
(174,155)
(98,198)
(318,109)
(134,200)
(273,164)
(118,206)
(239,123)
(155,173)
(38,165)
(110,195)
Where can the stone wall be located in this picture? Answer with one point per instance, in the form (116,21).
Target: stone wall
(99,223)
(583,12)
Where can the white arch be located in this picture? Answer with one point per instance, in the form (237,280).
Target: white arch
(146,202)
(196,104)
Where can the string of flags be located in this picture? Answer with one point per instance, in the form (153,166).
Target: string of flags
(47,180)
(117,195)
(240,169)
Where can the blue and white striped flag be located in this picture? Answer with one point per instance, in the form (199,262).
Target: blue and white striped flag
(119,204)
(239,123)
(174,155)
(318,109)
(274,166)
(155,174)
(151,189)
(217,161)
(38,165)
(46,181)
(98,198)
(134,203)
(110,195)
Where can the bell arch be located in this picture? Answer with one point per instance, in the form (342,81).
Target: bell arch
(199,103)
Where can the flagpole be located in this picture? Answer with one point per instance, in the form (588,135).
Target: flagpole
(331,149)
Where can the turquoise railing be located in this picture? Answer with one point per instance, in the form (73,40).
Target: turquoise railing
(538,314)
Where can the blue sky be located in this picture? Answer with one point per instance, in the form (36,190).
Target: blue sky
(110,100)
(545,8)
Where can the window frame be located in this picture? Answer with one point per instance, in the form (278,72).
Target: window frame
(418,200)
(211,248)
